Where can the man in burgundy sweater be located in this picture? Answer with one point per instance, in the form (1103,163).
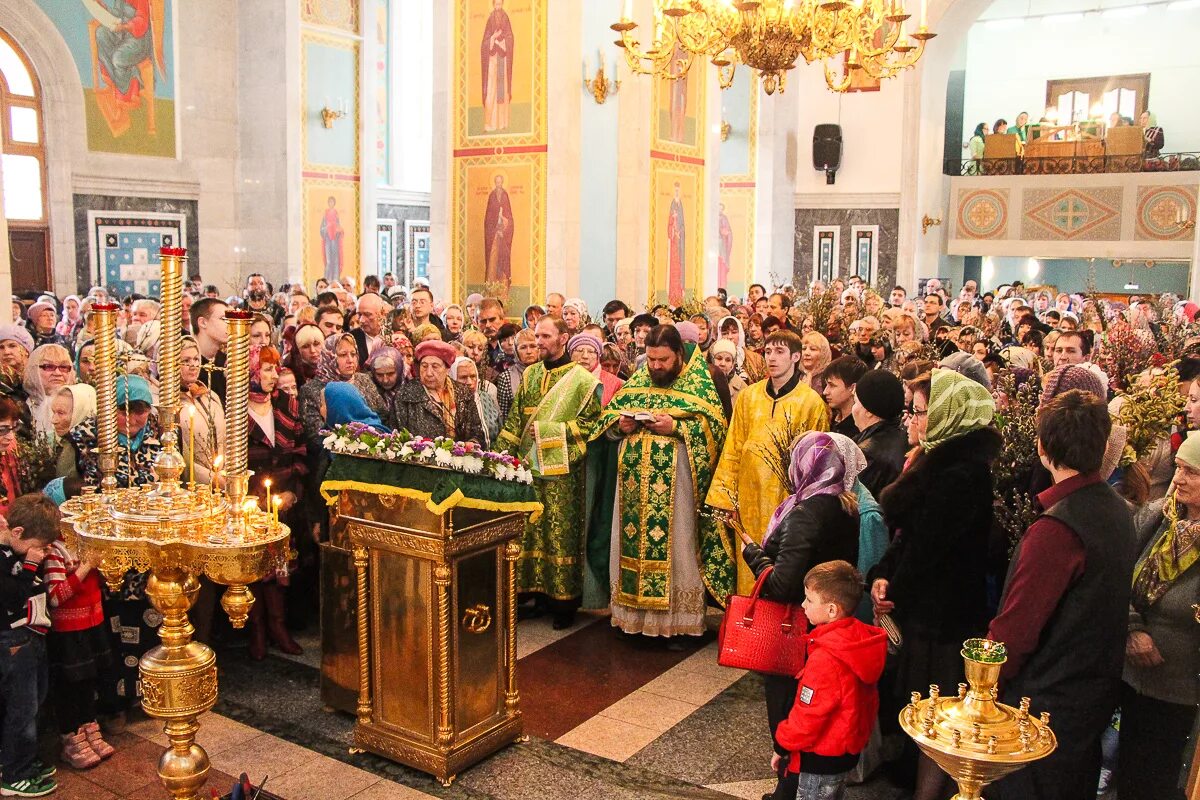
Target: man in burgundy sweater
(1064,612)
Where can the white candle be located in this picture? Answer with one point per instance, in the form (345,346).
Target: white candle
(627,14)
(924,13)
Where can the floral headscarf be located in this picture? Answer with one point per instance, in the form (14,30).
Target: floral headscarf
(821,463)
(327,371)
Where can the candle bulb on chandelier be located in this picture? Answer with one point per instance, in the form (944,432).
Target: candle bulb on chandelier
(924,13)
(627,14)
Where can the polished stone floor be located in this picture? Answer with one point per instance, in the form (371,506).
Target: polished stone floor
(610,716)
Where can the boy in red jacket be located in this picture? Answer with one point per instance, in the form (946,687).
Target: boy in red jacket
(836,702)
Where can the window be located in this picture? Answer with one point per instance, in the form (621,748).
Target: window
(21,133)
(1072,100)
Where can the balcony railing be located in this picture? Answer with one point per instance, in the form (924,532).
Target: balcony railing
(1078,164)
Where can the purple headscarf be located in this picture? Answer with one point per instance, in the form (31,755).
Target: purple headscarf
(821,463)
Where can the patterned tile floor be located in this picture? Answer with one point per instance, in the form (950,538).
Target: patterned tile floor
(611,716)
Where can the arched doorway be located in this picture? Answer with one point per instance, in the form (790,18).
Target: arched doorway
(23,145)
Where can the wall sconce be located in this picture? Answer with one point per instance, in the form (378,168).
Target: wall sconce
(928,222)
(1182,221)
(328,115)
(726,129)
(601,86)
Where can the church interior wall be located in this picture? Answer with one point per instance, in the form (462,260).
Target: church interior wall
(1101,275)
(1010,60)
(844,223)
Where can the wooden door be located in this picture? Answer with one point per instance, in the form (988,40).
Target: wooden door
(30,256)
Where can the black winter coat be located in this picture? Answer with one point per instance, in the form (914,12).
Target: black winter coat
(416,413)
(885,444)
(815,531)
(940,512)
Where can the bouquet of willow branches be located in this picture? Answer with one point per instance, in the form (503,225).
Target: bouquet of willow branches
(37,460)
(777,454)
(1151,406)
(1124,353)
(820,307)
(1014,506)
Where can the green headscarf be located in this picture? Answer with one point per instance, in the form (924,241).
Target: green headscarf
(957,405)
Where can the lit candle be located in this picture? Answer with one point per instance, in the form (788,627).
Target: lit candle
(267,484)
(212,478)
(275,505)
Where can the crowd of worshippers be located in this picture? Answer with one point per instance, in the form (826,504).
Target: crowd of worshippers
(682,453)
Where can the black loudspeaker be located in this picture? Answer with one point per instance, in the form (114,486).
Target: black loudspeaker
(827,150)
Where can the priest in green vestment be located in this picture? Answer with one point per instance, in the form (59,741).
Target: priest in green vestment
(666,556)
(553,412)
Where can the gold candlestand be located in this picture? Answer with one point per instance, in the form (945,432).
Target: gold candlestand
(176,532)
(973,738)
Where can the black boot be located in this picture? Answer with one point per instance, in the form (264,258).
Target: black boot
(277,620)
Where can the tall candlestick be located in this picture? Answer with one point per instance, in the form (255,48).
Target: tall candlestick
(105,359)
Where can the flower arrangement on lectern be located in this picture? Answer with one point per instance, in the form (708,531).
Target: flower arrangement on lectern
(357,439)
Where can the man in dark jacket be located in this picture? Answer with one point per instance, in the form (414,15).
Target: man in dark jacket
(1065,608)
(878,403)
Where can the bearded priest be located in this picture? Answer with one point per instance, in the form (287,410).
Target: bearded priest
(670,422)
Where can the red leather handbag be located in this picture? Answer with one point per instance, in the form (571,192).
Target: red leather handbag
(763,635)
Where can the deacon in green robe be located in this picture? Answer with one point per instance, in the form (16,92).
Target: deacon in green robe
(665,556)
(553,413)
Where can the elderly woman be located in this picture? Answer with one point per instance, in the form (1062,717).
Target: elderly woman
(1162,653)
(380,383)
(338,362)
(48,369)
(475,347)
(465,371)
(585,349)
(509,379)
(818,522)
(69,406)
(434,405)
(275,457)
(933,578)
(575,314)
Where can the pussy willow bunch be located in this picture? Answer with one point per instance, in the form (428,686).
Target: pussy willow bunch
(1151,406)
(820,307)
(37,457)
(691,305)
(1017,422)
(1125,352)
(777,453)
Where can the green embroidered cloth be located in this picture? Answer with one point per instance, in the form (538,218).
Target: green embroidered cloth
(646,476)
(441,489)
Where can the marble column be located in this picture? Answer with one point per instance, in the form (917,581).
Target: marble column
(778,135)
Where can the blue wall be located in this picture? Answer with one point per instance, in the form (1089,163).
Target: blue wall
(1071,275)
(598,162)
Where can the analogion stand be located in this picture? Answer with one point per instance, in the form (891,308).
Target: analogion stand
(434,620)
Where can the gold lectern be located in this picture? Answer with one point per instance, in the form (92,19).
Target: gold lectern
(436,630)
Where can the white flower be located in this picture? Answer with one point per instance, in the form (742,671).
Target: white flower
(330,441)
(457,461)
(473,465)
(442,457)
(406,450)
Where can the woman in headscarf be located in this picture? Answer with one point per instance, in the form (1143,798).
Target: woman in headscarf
(817,522)
(344,404)
(48,369)
(401,342)
(508,380)
(1162,652)
(705,328)
(275,457)
(200,410)
(575,314)
(434,405)
(723,356)
(304,356)
(380,382)
(72,318)
(455,320)
(933,578)
(68,407)
(465,371)
(338,362)
(585,349)
(751,364)
(531,316)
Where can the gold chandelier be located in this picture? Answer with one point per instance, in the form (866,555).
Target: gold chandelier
(770,35)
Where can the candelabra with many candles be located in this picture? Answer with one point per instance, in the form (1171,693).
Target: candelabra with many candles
(176,530)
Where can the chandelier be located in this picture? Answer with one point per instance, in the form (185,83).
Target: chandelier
(770,35)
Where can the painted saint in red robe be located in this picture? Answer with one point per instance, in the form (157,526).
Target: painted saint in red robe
(496,63)
(332,234)
(498,235)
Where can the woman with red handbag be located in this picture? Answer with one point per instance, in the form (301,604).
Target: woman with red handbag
(818,522)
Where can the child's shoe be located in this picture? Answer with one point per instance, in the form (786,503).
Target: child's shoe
(76,752)
(28,787)
(96,740)
(44,770)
